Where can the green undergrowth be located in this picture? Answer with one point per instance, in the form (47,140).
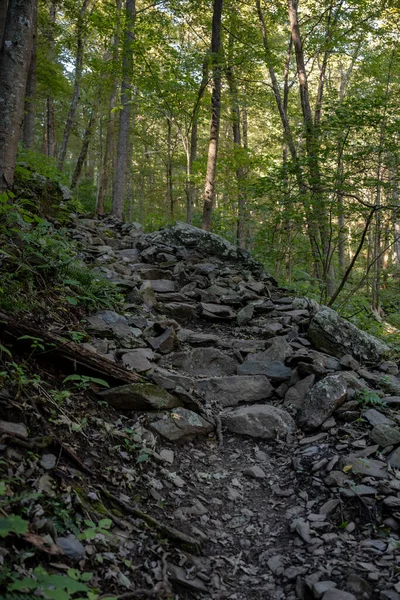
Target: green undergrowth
(39,268)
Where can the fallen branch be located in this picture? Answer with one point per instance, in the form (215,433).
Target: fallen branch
(65,353)
(169,532)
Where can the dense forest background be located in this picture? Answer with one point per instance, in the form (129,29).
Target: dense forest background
(300,164)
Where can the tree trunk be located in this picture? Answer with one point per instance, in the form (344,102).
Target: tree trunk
(237,143)
(3,15)
(169,198)
(192,150)
(80,44)
(28,133)
(85,145)
(51,143)
(15,55)
(311,139)
(111,123)
(209,188)
(120,180)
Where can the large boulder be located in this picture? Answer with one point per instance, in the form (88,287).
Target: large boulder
(204,243)
(331,333)
(181,424)
(139,396)
(321,401)
(259,421)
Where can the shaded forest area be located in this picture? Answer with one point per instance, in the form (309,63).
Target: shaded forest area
(275,125)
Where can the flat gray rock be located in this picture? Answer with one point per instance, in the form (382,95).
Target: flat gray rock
(335,594)
(139,396)
(245,315)
(71,547)
(321,401)
(205,362)
(13,428)
(375,417)
(366,466)
(260,421)
(138,360)
(181,424)
(230,391)
(217,311)
(275,370)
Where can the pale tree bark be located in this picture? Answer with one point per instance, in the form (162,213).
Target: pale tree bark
(237,142)
(111,124)
(84,149)
(28,133)
(80,45)
(120,179)
(209,188)
(15,57)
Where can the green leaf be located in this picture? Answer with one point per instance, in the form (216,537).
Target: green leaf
(13,524)
(105,523)
(71,300)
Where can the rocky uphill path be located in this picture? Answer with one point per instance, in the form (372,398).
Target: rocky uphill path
(270,422)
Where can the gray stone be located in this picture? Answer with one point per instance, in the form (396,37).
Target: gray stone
(205,362)
(217,311)
(375,417)
(181,424)
(71,547)
(392,502)
(245,315)
(14,428)
(139,396)
(332,334)
(48,461)
(348,362)
(394,459)
(255,472)
(230,391)
(335,594)
(275,370)
(163,285)
(320,587)
(366,466)
(321,401)
(169,380)
(259,421)
(279,349)
(181,311)
(385,435)
(361,587)
(204,243)
(166,342)
(138,360)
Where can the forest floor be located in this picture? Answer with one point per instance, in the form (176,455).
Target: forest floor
(190,494)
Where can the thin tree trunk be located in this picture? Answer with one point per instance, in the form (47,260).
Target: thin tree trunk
(169,199)
(192,150)
(209,188)
(311,138)
(15,57)
(3,15)
(111,123)
(312,228)
(377,256)
(237,142)
(51,148)
(28,133)
(80,44)
(84,150)
(120,180)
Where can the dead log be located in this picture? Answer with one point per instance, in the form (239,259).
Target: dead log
(64,354)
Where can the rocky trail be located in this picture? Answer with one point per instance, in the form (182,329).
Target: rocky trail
(261,445)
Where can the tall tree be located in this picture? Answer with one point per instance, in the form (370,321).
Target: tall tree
(80,46)
(15,55)
(209,188)
(28,135)
(120,180)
